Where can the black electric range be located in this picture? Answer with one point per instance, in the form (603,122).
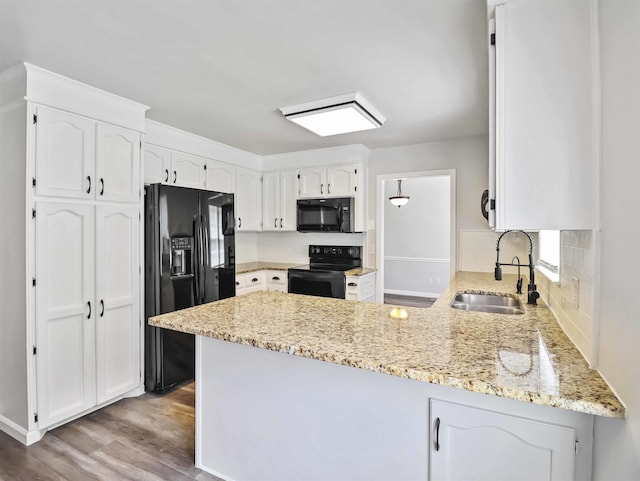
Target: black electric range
(324,276)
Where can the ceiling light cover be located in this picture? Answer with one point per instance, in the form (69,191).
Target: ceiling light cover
(335,115)
(399,199)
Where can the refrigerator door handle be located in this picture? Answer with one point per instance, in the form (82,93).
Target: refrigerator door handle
(203,260)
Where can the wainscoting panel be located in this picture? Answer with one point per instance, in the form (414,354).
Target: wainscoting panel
(415,276)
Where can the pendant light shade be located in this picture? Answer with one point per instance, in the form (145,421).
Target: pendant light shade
(399,199)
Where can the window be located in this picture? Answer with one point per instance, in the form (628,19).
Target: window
(549,253)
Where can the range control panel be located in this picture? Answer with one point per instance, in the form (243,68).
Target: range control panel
(352,252)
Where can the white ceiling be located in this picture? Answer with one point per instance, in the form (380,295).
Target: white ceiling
(222,68)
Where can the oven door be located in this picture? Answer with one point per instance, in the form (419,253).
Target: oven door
(317,283)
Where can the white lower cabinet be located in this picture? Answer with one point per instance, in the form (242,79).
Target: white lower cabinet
(65,311)
(469,443)
(87,306)
(117,301)
(277,280)
(250,282)
(361,288)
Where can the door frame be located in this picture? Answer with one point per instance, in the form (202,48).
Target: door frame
(380,200)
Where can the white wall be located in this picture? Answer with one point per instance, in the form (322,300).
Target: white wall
(416,237)
(617,444)
(294,246)
(469,156)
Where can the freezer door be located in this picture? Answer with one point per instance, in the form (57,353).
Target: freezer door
(171,263)
(217,280)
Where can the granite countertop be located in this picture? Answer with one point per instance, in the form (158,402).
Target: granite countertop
(526,357)
(246,267)
(261,266)
(360,271)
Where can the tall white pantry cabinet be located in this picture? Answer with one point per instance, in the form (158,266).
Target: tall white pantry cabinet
(70,283)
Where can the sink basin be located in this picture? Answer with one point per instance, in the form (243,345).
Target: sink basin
(494,303)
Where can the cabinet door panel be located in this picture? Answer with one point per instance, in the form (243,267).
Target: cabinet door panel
(65,311)
(341,180)
(157,163)
(117,164)
(186,171)
(249,200)
(65,156)
(220,177)
(313,182)
(117,300)
(288,197)
(270,201)
(475,444)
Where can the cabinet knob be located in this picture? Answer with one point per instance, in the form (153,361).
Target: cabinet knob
(237,283)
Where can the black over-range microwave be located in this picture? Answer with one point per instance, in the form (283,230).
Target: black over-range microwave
(326,215)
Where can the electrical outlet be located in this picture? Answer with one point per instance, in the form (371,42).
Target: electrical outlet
(575,291)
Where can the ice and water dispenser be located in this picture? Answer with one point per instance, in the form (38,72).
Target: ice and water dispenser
(181,256)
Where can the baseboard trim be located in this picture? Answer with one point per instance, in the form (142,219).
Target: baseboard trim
(19,433)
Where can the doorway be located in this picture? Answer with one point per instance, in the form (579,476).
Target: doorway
(415,253)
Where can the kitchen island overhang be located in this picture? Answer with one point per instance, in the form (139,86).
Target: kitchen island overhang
(251,403)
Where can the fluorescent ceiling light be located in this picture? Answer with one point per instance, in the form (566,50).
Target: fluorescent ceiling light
(335,115)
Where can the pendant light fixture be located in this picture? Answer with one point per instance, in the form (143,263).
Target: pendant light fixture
(399,199)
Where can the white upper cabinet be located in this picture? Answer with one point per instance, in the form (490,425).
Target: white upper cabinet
(342,180)
(313,182)
(475,444)
(279,200)
(65,154)
(157,164)
(248,200)
(544,140)
(187,171)
(83,159)
(117,164)
(220,177)
(331,181)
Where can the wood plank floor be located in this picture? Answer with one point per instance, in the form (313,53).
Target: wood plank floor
(409,301)
(146,438)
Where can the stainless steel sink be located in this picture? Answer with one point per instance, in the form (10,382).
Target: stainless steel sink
(494,303)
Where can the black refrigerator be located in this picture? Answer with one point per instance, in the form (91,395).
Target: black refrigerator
(189,260)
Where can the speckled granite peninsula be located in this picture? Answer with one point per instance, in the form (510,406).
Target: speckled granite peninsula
(525,357)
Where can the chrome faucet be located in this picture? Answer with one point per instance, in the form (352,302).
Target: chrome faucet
(532,294)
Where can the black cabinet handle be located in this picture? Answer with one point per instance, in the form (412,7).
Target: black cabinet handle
(237,283)
(175,176)
(239,222)
(275,222)
(275,278)
(102,307)
(166,175)
(321,185)
(101,186)
(255,279)
(437,434)
(281,222)
(328,188)
(89,188)
(89,315)
(353,284)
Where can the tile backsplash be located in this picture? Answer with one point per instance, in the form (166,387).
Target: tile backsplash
(572,298)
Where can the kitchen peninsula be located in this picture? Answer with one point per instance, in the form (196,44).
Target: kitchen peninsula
(267,408)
